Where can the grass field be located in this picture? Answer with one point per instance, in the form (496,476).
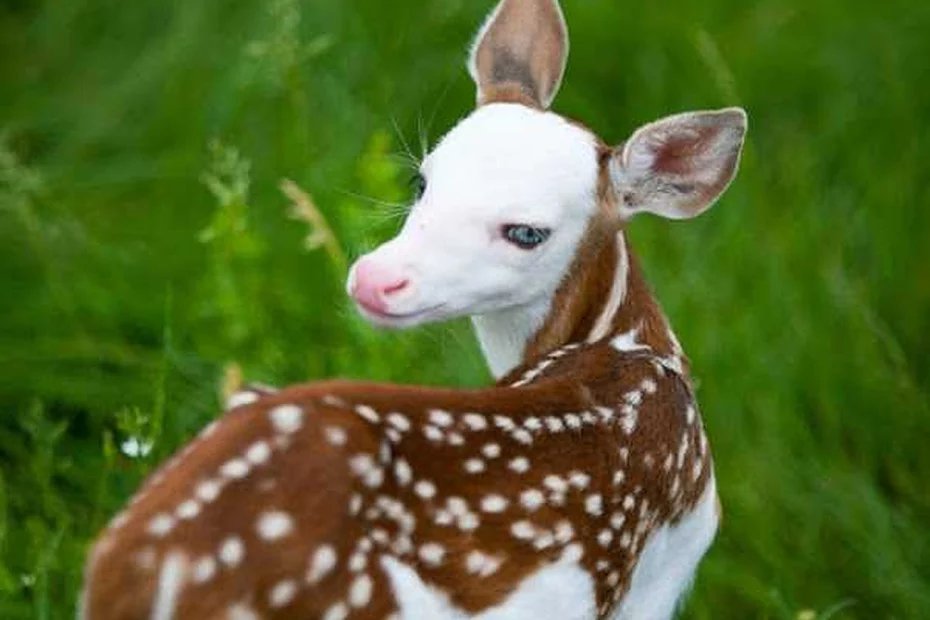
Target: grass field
(146,250)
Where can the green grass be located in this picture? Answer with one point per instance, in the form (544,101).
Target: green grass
(145,246)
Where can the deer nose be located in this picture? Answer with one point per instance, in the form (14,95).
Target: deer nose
(373,286)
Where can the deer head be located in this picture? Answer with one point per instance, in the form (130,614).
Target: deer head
(512,195)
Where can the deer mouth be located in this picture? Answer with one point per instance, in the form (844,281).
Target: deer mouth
(397,319)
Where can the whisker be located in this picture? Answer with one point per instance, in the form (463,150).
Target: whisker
(403,140)
(372,200)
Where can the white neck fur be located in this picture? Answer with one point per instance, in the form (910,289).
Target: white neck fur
(504,335)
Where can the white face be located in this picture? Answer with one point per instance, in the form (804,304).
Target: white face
(507,197)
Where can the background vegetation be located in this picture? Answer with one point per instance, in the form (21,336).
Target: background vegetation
(145,248)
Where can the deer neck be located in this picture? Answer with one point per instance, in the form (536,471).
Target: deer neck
(603,298)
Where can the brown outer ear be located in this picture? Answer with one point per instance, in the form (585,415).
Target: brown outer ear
(521,52)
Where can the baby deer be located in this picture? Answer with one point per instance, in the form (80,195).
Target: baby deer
(580,486)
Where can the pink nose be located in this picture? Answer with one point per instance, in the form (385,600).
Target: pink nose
(372,286)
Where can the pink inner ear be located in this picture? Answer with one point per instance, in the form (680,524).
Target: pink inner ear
(678,152)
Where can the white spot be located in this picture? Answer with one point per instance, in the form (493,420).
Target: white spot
(170,582)
(691,414)
(236,469)
(522,436)
(491,450)
(339,611)
(604,538)
(367,413)
(554,424)
(455,439)
(564,532)
(282,594)
(241,612)
(402,472)
(287,419)
(635,397)
(188,510)
(617,520)
(432,553)
(606,414)
(374,478)
(544,540)
(481,564)
(334,401)
(259,453)
(523,530)
(532,499)
(321,564)
(457,506)
(119,521)
(335,436)
(555,483)
(425,489)
(469,522)
(209,430)
(357,562)
(629,420)
(161,525)
(627,341)
(204,570)
(433,433)
(504,423)
(494,504)
(474,466)
(629,502)
(360,592)
(573,553)
(649,386)
(579,480)
(208,490)
(399,421)
(573,421)
(683,451)
(475,421)
(442,419)
(532,423)
(232,551)
(520,465)
(241,399)
(274,525)
(362,464)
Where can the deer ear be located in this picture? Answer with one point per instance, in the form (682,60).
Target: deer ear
(679,166)
(520,53)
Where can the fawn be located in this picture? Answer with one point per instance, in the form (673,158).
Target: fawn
(580,486)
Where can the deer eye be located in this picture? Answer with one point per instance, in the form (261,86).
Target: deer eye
(418,183)
(525,237)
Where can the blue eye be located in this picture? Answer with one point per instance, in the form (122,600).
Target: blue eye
(418,182)
(525,237)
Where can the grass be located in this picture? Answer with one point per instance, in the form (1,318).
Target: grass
(146,251)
